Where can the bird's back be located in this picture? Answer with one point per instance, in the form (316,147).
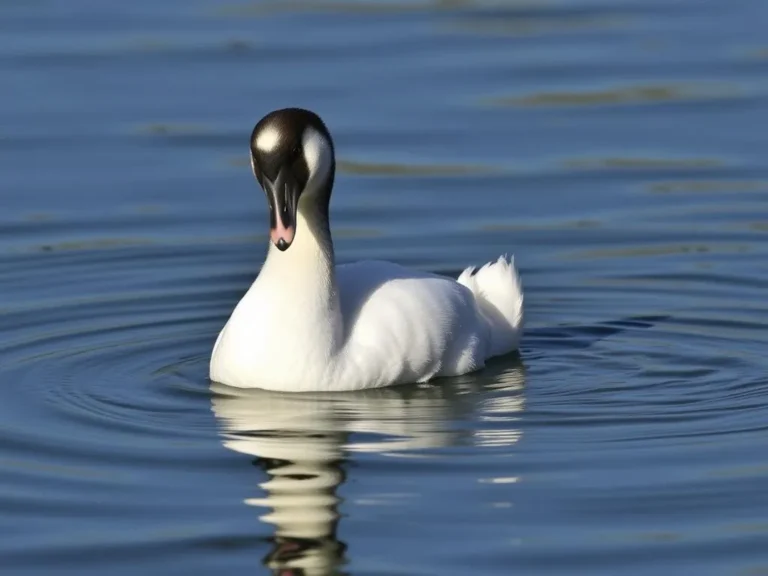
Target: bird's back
(403,325)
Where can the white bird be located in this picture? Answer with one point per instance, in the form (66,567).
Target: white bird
(306,324)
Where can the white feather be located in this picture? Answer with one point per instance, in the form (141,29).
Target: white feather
(306,325)
(317,154)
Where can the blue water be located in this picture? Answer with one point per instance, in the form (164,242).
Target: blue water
(618,149)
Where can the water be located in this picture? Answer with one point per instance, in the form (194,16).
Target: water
(618,149)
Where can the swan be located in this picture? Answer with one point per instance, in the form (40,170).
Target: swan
(309,325)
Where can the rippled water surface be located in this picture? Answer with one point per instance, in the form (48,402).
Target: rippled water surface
(618,149)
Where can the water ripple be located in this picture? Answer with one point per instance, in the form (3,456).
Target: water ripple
(614,147)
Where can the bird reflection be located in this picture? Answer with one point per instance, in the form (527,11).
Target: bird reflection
(301,442)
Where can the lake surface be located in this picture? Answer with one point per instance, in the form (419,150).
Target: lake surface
(619,149)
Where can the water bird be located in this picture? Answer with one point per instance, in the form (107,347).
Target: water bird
(307,324)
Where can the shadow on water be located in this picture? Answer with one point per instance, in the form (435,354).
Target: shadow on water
(304,444)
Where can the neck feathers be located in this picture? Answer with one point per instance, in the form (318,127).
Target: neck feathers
(302,280)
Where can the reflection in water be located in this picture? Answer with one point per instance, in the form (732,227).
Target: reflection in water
(301,441)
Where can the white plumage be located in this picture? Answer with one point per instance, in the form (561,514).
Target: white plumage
(308,325)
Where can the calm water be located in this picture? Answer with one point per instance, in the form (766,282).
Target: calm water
(619,149)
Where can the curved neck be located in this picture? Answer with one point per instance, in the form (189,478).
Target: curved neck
(302,282)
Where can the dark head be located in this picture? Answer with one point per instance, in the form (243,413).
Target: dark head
(292,158)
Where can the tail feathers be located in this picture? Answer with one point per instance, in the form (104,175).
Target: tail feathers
(499,294)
